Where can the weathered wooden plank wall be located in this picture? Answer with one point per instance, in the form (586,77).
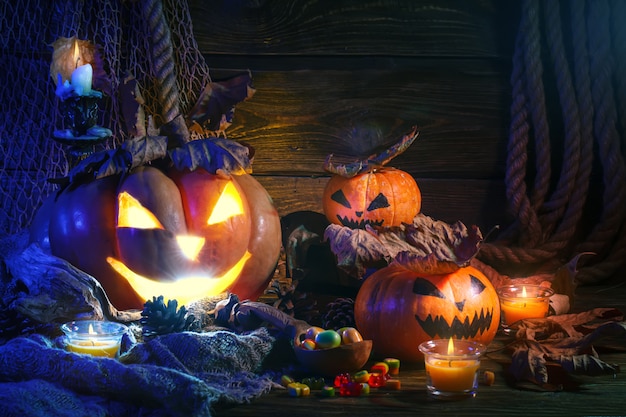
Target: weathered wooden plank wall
(345,77)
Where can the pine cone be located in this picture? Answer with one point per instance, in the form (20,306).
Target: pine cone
(340,313)
(157,318)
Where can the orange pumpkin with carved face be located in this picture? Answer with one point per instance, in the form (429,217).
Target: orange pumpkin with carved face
(181,234)
(381,197)
(398,309)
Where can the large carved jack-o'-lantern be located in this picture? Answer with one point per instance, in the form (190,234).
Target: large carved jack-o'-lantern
(184,234)
(399,309)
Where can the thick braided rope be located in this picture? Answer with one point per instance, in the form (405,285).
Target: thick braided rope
(537,107)
(561,202)
(161,54)
(608,235)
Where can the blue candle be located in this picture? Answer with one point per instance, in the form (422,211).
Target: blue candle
(81,79)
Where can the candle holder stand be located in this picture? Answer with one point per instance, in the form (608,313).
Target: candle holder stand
(82,134)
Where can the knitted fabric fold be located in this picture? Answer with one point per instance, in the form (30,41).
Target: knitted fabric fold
(181,374)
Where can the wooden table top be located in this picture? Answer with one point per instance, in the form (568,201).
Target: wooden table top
(596,396)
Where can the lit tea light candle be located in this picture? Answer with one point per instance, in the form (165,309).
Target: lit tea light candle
(96,338)
(81,78)
(452,367)
(523,302)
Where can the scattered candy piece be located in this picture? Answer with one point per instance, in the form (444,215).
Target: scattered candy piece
(328,391)
(297,389)
(487,378)
(361,376)
(350,389)
(381,367)
(314,383)
(394,365)
(377,380)
(365,388)
(393,384)
(286,380)
(341,379)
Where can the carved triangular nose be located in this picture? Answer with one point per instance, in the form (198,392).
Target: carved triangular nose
(358,213)
(460,305)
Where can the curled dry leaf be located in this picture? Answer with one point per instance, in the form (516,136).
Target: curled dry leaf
(352,169)
(425,246)
(213,154)
(566,341)
(216,105)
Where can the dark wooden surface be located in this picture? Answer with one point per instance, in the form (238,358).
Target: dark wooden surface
(345,78)
(596,396)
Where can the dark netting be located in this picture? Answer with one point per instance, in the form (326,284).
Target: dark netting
(123,30)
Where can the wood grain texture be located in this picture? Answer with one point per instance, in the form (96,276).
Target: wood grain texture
(297,118)
(371,27)
(474,202)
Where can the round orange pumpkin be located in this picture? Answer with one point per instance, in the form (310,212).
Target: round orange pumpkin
(134,235)
(398,309)
(380,197)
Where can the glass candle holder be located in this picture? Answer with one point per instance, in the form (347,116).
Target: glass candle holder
(452,367)
(518,302)
(96,338)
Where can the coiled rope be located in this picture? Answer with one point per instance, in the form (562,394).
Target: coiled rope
(549,227)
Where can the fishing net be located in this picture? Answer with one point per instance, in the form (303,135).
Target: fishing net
(150,40)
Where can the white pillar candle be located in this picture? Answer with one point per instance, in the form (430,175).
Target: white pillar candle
(81,79)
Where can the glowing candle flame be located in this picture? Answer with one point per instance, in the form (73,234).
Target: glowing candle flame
(450,347)
(76,53)
(90,330)
(524,292)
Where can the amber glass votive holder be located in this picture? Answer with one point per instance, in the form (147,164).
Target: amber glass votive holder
(452,368)
(93,337)
(524,301)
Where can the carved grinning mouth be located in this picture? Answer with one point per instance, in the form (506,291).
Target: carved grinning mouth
(358,224)
(457,329)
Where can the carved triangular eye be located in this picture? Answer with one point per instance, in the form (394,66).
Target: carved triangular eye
(228,205)
(379,202)
(422,286)
(339,197)
(477,285)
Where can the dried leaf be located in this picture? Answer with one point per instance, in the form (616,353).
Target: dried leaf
(425,246)
(566,341)
(216,104)
(131,104)
(352,169)
(131,153)
(213,154)
(356,249)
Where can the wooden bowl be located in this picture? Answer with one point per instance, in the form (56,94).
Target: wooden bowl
(330,362)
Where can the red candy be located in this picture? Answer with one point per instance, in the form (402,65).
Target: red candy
(350,389)
(377,380)
(341,379)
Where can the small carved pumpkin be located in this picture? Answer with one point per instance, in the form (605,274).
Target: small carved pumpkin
(381,197)
(184,234)
(398,309)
